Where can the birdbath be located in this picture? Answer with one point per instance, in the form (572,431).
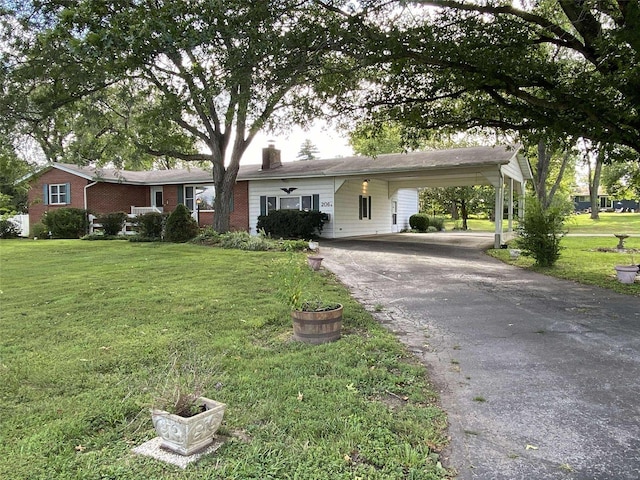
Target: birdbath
(621,237)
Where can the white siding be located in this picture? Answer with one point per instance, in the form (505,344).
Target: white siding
(347,219)
(272,188)
(408,205)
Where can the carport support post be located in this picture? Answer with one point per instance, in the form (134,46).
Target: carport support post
(499,209)
(510,206)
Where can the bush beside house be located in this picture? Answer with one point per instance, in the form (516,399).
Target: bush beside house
(292,223)
(67,222)
(181,227)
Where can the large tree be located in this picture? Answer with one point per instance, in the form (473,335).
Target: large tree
(218,71)
(566,68)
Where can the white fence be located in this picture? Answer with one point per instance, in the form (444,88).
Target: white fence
(95,227)
(143,210)
(22,222)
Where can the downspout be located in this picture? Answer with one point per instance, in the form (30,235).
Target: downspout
(86,207)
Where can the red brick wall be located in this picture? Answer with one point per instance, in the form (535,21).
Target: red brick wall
(54,176)
(239,218)
(117,197)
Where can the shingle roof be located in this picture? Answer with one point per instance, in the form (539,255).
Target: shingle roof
(336,167)
(390,163)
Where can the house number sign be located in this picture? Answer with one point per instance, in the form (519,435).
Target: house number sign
(326,204)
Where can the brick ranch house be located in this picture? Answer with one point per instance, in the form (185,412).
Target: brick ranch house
(360,195)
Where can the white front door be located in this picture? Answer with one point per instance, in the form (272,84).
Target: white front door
(157,199)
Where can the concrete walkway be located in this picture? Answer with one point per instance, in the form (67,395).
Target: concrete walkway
(540,377)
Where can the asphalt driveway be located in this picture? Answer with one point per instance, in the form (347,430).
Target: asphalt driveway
(540,377)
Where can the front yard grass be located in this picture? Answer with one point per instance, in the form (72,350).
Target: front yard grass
(89,330)
(582,261)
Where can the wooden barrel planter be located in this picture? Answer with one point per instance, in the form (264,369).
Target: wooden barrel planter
(316,328)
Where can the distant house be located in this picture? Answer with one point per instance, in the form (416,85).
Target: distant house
(606,203)
(360,195)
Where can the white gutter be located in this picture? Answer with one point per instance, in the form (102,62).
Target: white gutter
(85,193)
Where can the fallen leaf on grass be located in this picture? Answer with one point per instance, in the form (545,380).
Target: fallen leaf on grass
(300,396)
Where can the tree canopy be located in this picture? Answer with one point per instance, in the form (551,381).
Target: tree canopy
(559,67)
(214,73)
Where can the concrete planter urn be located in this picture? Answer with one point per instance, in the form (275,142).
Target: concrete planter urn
(314,262)
(187,435)
(626,273)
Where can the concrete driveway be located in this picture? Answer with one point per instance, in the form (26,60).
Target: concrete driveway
(540,377)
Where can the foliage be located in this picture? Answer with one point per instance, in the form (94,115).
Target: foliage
(622,179)
(38,230)
(67,222)
(181,226)
(76,408)
(372,139)
(292,223)
(437,223)
(308,151)
(296,280)
(150,225)
(459,201)
(568,69)
(586,259)
(187,377)
(112,223)
(245,241)
(8,229)
(540,232)
(102,236)
(211,71)
(13,195)
(419,222)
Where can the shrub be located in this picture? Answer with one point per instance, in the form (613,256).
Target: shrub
(39,230)
(540,232)
(419,222)
(208,236)
(292,223)
(112,223)
(180,227)
(437,222)
(244,241)
(67,222)
(8,229)
(150,226)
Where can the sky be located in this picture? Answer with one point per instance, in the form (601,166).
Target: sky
(330,143)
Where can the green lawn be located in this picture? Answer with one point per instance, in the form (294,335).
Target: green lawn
(628,223)
(581,259)
(88,333)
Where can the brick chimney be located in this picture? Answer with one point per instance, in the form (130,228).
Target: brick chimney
(270,157)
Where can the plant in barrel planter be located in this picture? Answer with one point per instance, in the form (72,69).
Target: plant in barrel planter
(315,320)
(185,420)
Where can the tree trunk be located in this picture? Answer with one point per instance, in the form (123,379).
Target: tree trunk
(464,213)
(594,185)
(542,172)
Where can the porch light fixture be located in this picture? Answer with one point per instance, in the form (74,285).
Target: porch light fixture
(365,186)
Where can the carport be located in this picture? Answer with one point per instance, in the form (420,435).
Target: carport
(506,169)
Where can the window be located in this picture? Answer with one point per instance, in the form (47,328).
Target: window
(199,196)
(297,202)
(364,209)
(289,203)
(58,194)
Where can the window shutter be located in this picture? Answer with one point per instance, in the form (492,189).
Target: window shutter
(263,205)
(180,194)
(45,194)
(67,187)
(315,203)
(360,207)
(369,208)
